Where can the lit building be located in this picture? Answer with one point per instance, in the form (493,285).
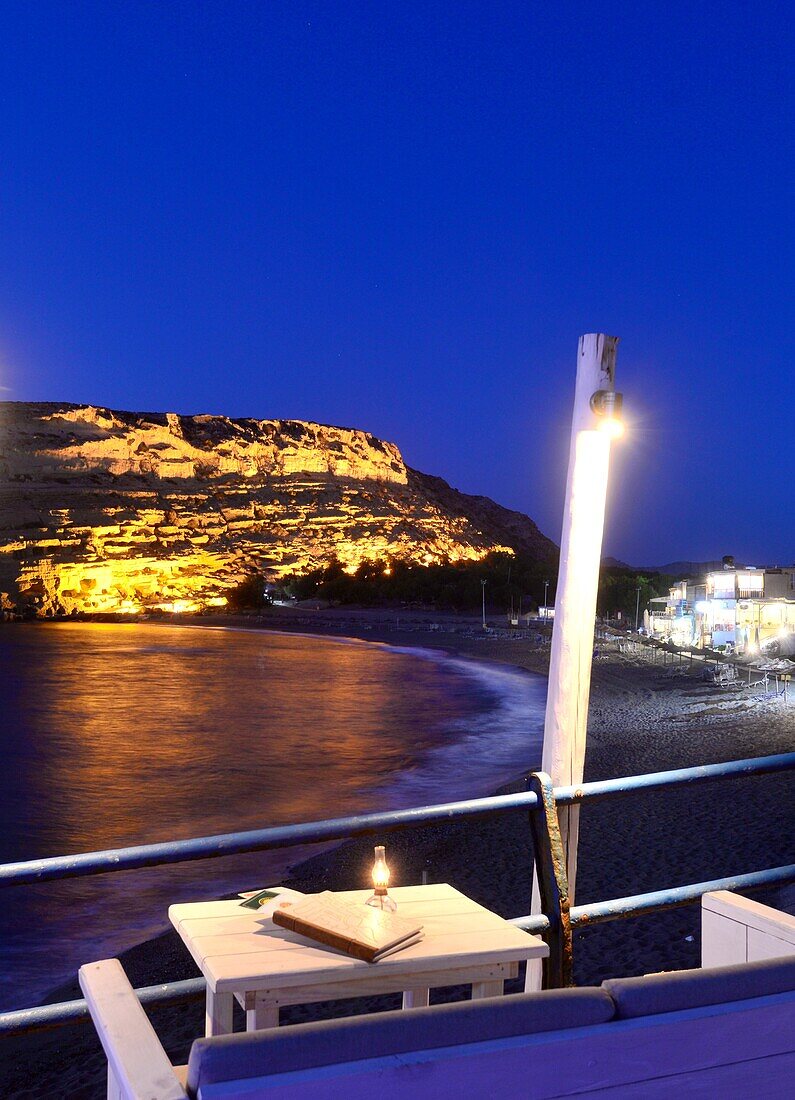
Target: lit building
(739,608)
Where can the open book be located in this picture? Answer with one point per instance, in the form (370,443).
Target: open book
(353,927)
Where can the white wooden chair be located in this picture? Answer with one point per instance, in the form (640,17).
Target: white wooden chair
(138,1067)
(737,930)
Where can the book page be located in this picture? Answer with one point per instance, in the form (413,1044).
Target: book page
(362,924)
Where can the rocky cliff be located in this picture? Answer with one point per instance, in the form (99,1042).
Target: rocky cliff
(105,511)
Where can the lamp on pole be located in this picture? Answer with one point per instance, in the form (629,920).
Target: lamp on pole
(483,593)
(546,605)
(595,421)
(637,609)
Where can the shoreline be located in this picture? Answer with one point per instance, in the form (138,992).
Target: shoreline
(642,717)
(455,633)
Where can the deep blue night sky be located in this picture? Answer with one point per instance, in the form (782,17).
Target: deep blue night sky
(401,217)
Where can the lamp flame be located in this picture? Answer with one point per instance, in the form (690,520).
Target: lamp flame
(380,870)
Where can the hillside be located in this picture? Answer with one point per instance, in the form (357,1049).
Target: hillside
(106,511)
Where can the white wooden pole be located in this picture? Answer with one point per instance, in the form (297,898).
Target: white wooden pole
(569,688)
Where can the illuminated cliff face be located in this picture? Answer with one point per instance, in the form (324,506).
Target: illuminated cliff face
(117,512)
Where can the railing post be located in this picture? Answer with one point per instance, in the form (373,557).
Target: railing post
(553,883)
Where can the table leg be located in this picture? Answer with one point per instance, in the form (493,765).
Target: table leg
(487,989)
(218,1016)
(263,1014)
(416,998)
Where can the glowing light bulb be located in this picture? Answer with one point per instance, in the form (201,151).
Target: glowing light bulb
(380,899)
(612,427)
(607,404)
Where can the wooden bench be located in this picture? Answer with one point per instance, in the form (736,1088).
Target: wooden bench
(735,929)
(723,1031)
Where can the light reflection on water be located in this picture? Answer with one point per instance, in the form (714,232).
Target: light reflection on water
(132,733)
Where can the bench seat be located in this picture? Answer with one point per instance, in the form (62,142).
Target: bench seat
(692,1031)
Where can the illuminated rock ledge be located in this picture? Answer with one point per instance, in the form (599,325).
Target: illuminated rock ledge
(117,512)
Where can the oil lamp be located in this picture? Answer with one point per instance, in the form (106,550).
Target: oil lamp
(380,899)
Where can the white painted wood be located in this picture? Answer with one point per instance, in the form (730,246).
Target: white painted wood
(761,945)
(241,955)
(416,998)
(263,1014)
(568,693)
(366,986)
(229,906)
(228,918)
(137,1064)
(481,990)
(114,1089)
(274,938)
(735,929)
(403,895)
(218,1013)
(362,986)
(218,926)
(298,964)
(723,941)
(195,926)
(571,654)
(751,913)
(291,950)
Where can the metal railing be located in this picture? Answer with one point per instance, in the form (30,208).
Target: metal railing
(541,800)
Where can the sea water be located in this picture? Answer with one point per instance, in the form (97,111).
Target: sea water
(119,734)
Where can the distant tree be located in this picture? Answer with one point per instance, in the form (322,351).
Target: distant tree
(445,585)
(618,591)
(248,595)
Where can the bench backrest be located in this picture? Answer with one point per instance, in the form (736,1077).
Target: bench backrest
(736,929)
(688,1025)
(334,1042)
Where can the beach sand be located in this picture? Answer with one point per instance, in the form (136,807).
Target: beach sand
(643,717)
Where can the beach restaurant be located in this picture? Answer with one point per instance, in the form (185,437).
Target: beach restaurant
(738,608)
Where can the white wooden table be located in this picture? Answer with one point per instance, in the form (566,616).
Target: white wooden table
(243,954)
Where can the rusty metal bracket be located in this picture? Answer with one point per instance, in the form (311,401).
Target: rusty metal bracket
(553,882)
